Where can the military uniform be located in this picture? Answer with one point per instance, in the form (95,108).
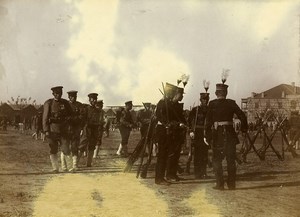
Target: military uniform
(125,127)
(196,125)
(101,128)
(92,127)
(76,126)
(220,131)
(166,129)
(178,138)
(56,115)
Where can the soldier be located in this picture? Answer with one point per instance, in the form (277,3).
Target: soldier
(99,105)
(219,130)
(167,122)
(76,126)
(196,125)
(56,115)
(91,128)
(125,127)
(178,125)
(144,118)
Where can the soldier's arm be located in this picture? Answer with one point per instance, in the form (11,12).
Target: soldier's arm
(46,116)
(208,123)
(241,115)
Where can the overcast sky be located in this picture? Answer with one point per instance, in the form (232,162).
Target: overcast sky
(125,49)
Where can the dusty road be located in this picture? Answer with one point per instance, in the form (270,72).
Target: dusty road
(27,188)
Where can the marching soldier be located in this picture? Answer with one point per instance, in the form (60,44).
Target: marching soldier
(99,105)
(76,126)
(219,130)
(125,127)
(91,128)
(196,125)
(56,116)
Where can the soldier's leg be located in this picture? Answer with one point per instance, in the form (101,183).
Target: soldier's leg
(92,140)
(122,133)
(125,138)
(66,158)
(171,159)
(99,143)
(53,144)
(197,163)
(203,155)
(218,170)
(74,150)
(161,155)
(231,166)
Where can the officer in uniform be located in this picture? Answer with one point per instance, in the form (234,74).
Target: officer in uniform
(99,105)
(168,123)
(76,126)
(196,121)
(56,115)
(91,128)
(219,130)
(126,125)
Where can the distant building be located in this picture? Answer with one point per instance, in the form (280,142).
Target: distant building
(282,99)
(17,113)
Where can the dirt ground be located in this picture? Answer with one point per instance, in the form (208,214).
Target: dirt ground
(28,188)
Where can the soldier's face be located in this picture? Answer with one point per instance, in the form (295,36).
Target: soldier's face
(178,97)
(204,101)
(57,94)
(93,101)
(72,98)
(129,106)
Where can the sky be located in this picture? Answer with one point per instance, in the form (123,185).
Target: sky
(126,49)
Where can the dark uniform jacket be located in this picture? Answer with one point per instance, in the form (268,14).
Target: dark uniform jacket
(169,113)
(78,114)
(196,123)
(93,116)
(144,117)
(222,111)
(126,119)
(56,116)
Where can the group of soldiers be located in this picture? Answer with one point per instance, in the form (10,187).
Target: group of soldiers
(75,128)
(210,125)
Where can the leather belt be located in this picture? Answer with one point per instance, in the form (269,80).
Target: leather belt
(222,123)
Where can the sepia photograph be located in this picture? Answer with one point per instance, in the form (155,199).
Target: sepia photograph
(167,108)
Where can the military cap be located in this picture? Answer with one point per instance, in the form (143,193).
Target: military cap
(128,103)
(204,95)
(221,86)
(72,92)
(57,88)
(100,101)
(170,89)
(93,95)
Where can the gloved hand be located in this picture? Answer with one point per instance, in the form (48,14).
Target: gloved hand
(47,134)
(192,135)
(205,141)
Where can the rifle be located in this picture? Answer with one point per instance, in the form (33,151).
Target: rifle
(139,150)
(147,141)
